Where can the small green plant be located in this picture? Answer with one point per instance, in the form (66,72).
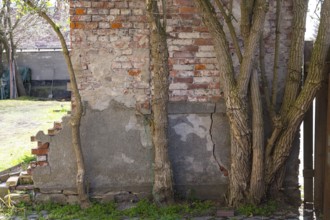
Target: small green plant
(264,210)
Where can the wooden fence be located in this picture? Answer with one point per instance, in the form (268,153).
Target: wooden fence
(317,153)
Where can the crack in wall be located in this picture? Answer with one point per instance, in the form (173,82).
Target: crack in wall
(221,167)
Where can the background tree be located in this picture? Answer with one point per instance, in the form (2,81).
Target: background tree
(257,165)
(40,7)
(163,183)
(12,25)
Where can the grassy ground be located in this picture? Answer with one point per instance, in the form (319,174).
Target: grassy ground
(112,211)
(21,119)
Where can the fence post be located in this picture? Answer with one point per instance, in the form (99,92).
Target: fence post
(326,179)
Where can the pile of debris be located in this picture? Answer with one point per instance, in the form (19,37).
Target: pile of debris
(16,185)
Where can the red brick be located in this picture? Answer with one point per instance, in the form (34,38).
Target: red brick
(43,145)
(183,2)
(190,48)
(201,29)
(183,80)
(116,25)
(77,25)
(39,151)
(200,67)
(187,10)
(203,41)
(134,72)
(80,11)
(214,85)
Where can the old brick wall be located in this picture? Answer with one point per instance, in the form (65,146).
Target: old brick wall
(118,32)
(111,57)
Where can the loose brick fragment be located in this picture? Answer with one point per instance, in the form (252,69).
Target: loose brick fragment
(12,181)
(39,151)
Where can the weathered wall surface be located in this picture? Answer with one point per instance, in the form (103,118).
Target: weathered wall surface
(110,54)
(119,156)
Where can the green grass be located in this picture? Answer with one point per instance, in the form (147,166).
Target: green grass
(263,210)
(21,119)
(143,210)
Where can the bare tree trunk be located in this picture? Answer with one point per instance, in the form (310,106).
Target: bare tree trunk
(17,82)
(76,116)
(163,180)
(235,95)
(293,82)
(257,185)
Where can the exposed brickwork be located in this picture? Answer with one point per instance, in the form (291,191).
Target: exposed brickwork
(111,51)
(42,149)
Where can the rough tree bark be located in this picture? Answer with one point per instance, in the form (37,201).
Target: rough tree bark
(236,96)
(76,115)
(255,167)
(163,181)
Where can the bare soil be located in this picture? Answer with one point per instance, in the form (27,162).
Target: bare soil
(19,120)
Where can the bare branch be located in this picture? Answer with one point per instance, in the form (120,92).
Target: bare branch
(231,28)
(277,52)
(260,10)
(246,14)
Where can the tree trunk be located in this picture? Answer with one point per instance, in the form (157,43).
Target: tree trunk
(17,82)
(163,181)
(257,185)
(76,115)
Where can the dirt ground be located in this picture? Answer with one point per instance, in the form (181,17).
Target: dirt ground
(19,120)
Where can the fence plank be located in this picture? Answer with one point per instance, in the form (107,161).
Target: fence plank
(320,143)
(308,142)
(326,192)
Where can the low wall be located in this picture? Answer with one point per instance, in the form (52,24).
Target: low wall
(45,65)
(49,73)
(119,153)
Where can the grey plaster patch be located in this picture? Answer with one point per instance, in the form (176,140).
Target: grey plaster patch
(191,153)
(117,156)
(221,138)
